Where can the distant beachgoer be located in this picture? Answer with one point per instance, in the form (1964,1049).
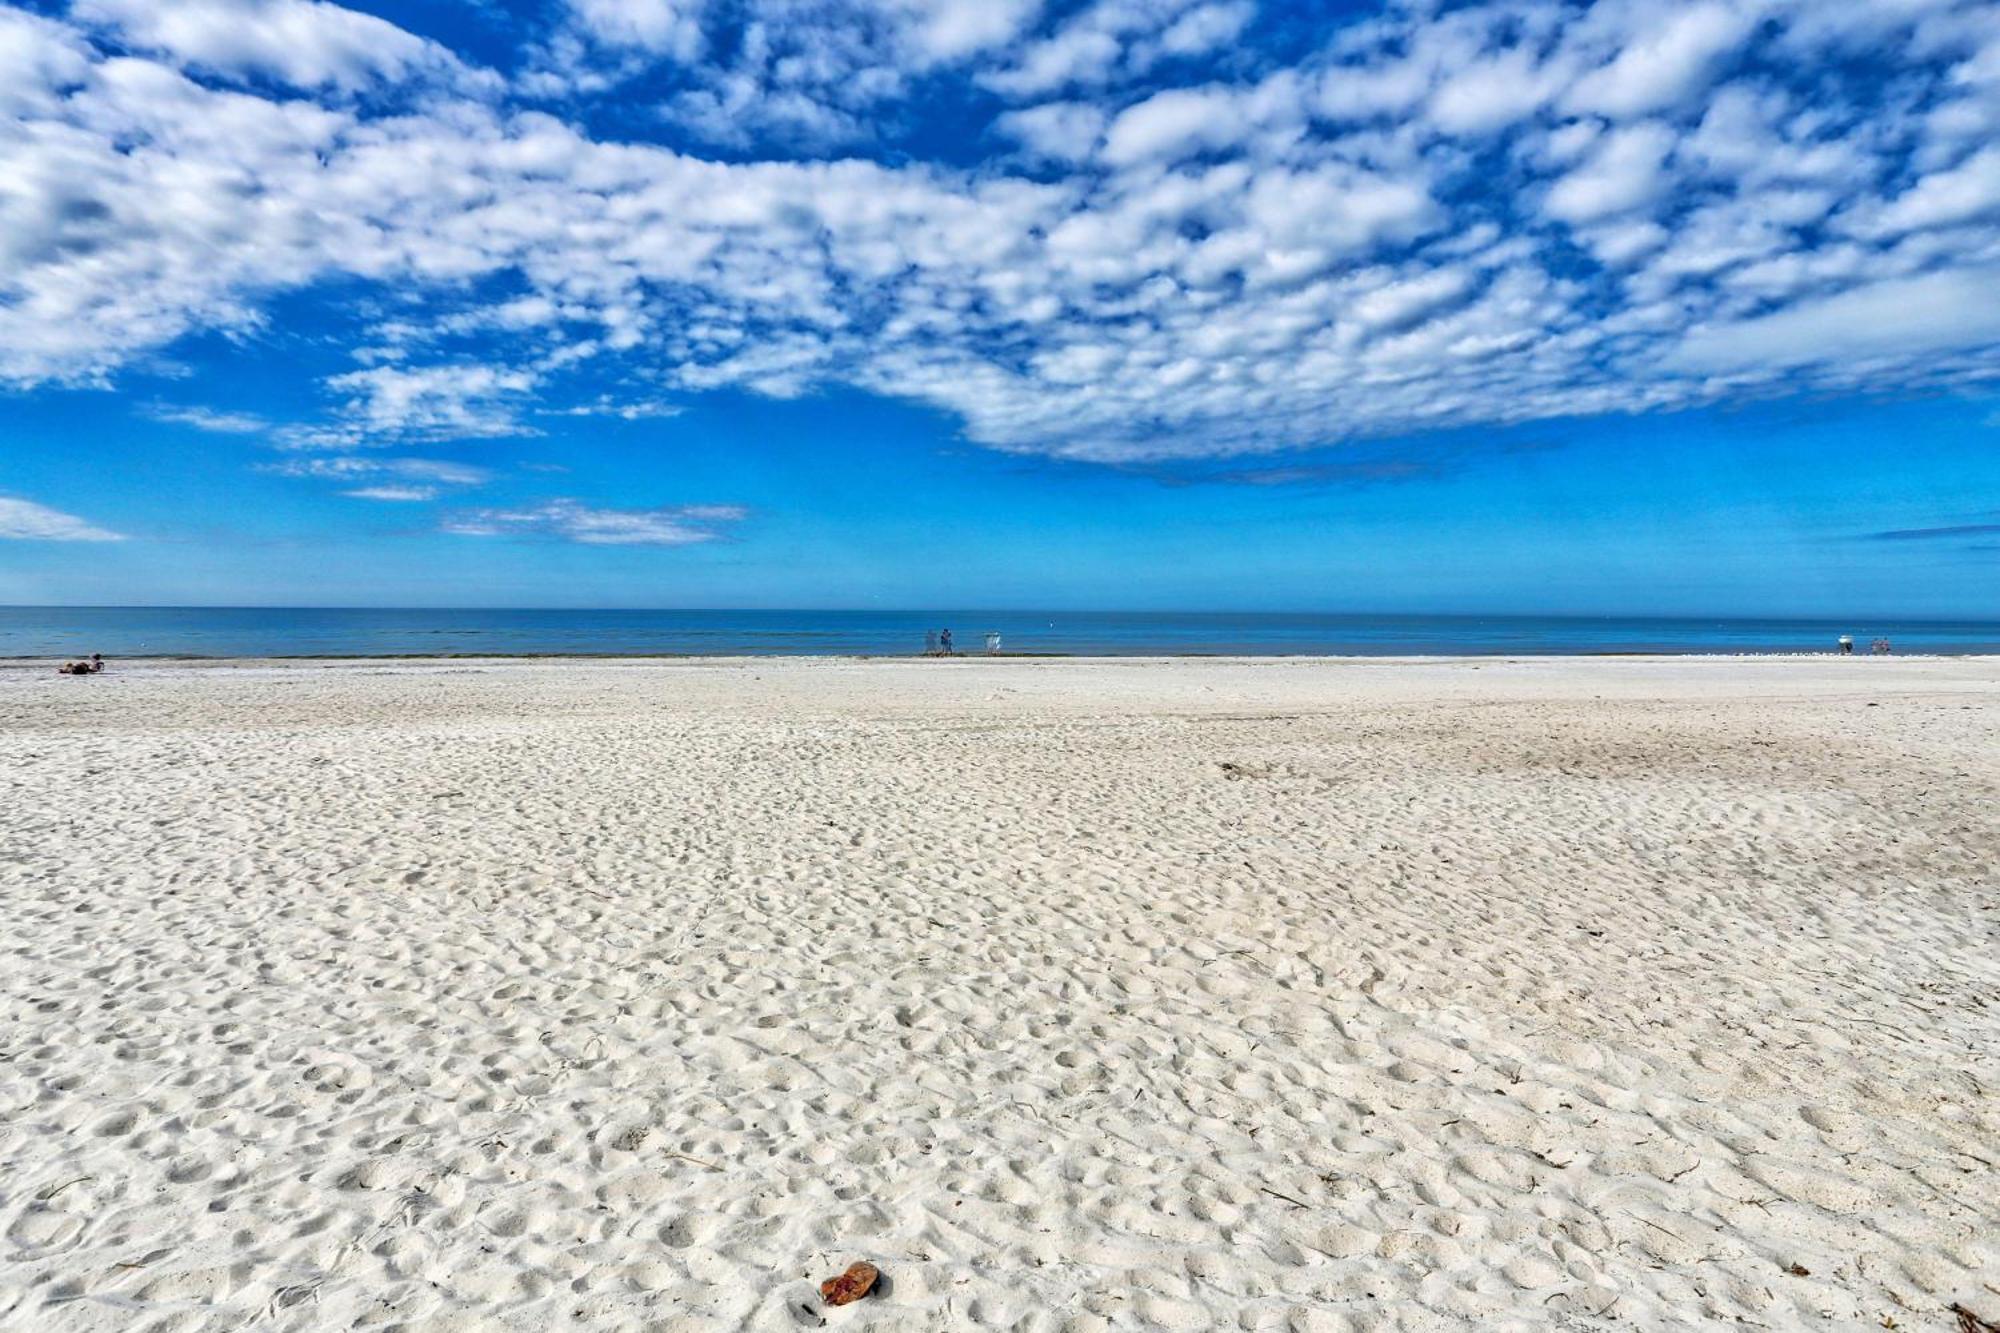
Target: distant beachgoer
(1846,644)
(96,663)
(930,643)
(944,642)
(993,643)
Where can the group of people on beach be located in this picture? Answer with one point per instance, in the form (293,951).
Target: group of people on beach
(90,666)
(1879,647)
(937,643)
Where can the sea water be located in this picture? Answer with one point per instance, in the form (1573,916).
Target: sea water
(323,632)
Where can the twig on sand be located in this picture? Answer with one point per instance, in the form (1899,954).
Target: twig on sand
(1296,1203)
(50,1192)
(1657,1227)
(696,1160)
(1969,1322)
(1747,1203)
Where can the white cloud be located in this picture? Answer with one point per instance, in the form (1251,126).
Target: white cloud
(1061,131)
(1204,28)
(431,471)
(434,402)
(1619,243)
(1661,67)
(1964,193)
(140,205)
(1174,122)
(38,59)
(945,30)
(1112,40)
(1181,121)
(1899,318)
(207,419)
(1490,94)
(665,27)
(306,43)
(1400,304)
(925,31)
(638,409)
(1624,173)
(569,520)
(809,69)
(26,521)
(394,494)
(1337,206)
(1078,55)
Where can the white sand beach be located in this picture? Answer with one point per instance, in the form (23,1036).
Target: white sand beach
(1290,995)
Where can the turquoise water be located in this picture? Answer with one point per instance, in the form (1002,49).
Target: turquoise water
(316,632)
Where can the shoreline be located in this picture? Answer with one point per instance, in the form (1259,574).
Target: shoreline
(307,659)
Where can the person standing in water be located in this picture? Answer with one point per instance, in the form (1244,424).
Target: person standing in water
(944,642)
(1846,645)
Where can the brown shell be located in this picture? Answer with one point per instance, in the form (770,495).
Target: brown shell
(856,1282)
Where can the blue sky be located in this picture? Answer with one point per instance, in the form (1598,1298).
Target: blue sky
(1530,306)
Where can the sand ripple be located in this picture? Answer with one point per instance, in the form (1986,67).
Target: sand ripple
(1076,996)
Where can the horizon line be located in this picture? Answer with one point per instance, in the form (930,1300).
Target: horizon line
(1982,618)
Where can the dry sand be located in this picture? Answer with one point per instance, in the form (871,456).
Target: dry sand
(1136,995)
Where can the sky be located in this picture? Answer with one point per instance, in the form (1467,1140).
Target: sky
(1531,306)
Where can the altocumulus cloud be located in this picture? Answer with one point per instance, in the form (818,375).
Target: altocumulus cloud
(306,43)
(568,520)
(1161,228)
(24,520)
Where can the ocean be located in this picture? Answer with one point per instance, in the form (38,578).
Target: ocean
(322,632)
